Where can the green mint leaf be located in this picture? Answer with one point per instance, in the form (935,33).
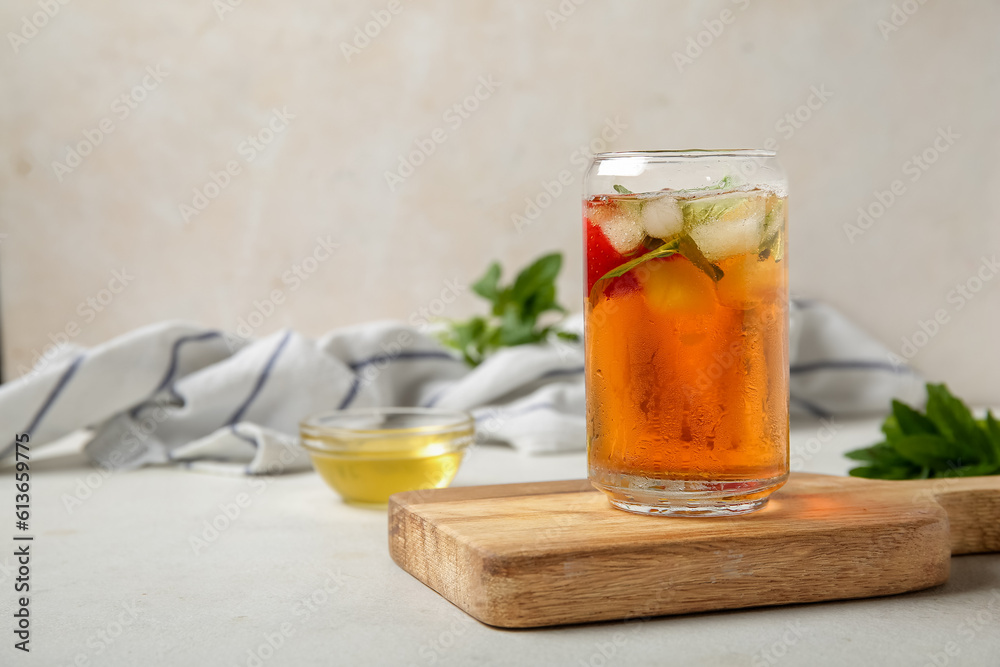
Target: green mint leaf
(932,451)
(773,244)
(863,454)
(542,301)
(488,286)
(891,428)
(568,335)
(622,190)
(684,245)
(690,249)
(881,472)
(539,275)
(970,470)
(771,233)
(992,429)
(516,331)
(664,250)
(726,181)
(513,318)
(886,454)
(946,442)
(466,337)
(910,421)
(707,209)
(954,420)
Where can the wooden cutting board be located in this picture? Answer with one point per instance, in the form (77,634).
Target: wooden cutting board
(551,553)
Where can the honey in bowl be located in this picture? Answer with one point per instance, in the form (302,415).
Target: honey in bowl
(366,455)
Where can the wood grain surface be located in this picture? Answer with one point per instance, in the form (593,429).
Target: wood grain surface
(528,555)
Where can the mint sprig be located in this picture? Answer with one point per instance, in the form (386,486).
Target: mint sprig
(687,247)
(514,314)
(945,441)
(683,246)
(665,250)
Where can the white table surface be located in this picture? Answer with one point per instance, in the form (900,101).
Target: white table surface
(117,581)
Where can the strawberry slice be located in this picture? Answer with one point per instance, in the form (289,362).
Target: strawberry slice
(601,256)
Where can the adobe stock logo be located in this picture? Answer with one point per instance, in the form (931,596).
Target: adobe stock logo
(121,108)
(699,42)
(37,21)
(381,19)
(455,116)
(248,149)
(915,167)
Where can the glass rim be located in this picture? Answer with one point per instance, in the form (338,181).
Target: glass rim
(689,153)
(449,421)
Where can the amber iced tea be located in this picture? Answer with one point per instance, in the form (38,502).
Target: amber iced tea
(686,336)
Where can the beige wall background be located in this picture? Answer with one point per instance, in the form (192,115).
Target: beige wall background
(199,78)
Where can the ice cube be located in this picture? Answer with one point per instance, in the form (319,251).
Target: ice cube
(723,226)
(662,217)
(623,232)
(599,212)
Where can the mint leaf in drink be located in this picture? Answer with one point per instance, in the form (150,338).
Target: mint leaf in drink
(664,250)
(622,190)
(947,441)
(684,246)
(690,249)
(772,232)
(726,181)
(700,211)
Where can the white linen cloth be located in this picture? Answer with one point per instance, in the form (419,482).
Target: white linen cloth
(180,393)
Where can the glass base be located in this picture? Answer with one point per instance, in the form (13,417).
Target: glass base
(672,497)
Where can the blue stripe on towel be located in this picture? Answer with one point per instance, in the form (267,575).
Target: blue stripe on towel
(47,403)
(811,408)
(175,354)
(508,414)
(264,374)
(168,376)
(548,374)
(850,365)
(410,355)
(436,397)
(351,393)
(245,438)
(54,394)
(402,356)
(561,371)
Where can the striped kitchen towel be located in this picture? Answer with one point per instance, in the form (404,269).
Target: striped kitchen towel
(183,394)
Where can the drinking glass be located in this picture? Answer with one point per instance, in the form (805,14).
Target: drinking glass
(686,329)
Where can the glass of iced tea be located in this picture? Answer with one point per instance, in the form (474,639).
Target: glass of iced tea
(686,330)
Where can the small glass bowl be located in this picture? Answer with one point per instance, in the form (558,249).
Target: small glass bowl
(368,454)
